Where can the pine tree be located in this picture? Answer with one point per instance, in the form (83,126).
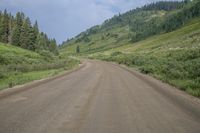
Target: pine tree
(53,46)
(19,31)
(38,42)
(77,49)
(35,34)
(11,27)
(42,42)
(35,27)
(4,28)
(25,35)
(15,38)
(32,39)
(46,42)
(0,15)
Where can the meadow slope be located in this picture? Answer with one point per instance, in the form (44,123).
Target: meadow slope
(173,57)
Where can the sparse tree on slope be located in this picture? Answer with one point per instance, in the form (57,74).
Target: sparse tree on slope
(77,49)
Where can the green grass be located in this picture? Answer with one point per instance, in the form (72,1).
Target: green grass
(18,66)
(109,36)
(172,57)
(99,42)
(11,54)
(21,78)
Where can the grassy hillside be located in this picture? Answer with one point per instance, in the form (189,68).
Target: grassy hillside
(99,39)
(18,66)
(133,26)
(173,57)
(161,39)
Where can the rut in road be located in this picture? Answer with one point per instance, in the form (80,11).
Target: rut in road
(101,97)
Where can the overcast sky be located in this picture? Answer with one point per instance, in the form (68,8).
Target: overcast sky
(62,19)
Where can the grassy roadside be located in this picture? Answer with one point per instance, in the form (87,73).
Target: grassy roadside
(19,66)
(22,78)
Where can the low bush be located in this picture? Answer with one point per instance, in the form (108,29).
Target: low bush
(177,68)
(2,72)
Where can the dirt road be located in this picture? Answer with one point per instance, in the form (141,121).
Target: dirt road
(100,98)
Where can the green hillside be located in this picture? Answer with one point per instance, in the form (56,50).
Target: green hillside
(100,38)
(18,66)
(133,26)
(160,39)
(173,57)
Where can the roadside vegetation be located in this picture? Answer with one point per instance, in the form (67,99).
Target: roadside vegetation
(18,66)
(161,39)
(173,57)
(26,53)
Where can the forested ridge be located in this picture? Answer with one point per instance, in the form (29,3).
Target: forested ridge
(19,31)
(155,18)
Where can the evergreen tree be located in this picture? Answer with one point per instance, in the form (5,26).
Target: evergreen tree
(32,37)
(186,1)
(15,39)
(11,27)
(35,27)
(77,49)
(19,19)
(42,42)
(25,35)
(0,15)
(46,42)
(35,34)
(4,27)
(19,31)
(53,46)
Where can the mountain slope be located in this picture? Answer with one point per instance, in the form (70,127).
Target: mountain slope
(173,57)
(100,38)
(162,43)
(133,26)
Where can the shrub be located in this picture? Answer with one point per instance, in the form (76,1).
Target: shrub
(116,53)
(2,72)
(147,69)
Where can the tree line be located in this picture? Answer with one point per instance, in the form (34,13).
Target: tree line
(170,22)
(179,18)
(142,25)
(19,31)
(139,20)
(165,5)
